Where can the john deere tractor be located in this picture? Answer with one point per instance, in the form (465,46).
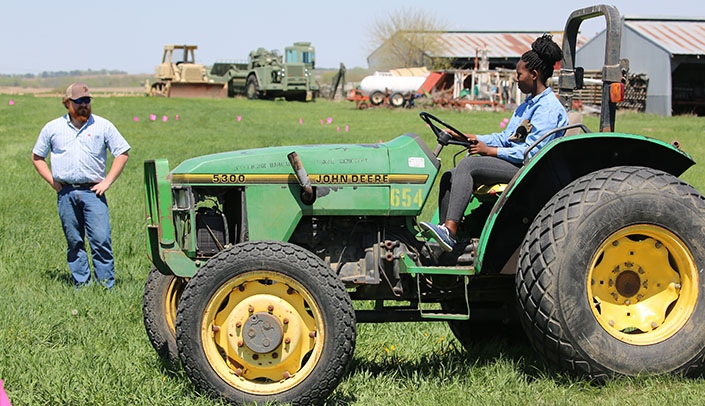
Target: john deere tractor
(596,246)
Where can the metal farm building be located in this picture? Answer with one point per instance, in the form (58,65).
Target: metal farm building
(669,51)
(463,49)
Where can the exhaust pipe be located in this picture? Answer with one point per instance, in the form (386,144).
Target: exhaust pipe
(307,196)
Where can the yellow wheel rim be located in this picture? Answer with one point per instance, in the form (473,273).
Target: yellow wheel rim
(262,332)
(171,302)
(642,284)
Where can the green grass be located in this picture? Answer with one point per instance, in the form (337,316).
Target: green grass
(62,346)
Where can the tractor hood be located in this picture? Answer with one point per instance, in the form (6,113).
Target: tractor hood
(387,179)
(405,159)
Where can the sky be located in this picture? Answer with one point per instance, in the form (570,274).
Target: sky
(129,35)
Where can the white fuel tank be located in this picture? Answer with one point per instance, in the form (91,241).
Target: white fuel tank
(386,81)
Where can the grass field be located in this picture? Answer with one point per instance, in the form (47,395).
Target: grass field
(88,347)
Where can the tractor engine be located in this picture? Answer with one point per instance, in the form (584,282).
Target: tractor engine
(363,251)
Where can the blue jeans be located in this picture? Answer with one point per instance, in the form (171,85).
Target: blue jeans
(84,214)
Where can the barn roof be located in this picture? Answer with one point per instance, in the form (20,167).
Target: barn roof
(678,36)
(463,44)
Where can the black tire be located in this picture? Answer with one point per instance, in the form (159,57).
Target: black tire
(311,336)
(159,304)
(252,88)
(376,98)
(397,100)
(231,89)
(609,241)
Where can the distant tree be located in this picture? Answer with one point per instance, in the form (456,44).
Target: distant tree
(405,38)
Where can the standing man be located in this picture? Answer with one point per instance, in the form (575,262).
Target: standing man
(78,143)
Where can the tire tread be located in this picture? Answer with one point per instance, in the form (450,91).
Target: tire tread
(537,262)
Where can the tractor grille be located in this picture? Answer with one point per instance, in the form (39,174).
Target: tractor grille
(295,71)
(211,232)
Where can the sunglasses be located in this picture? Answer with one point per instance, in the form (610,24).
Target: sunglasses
(82,100)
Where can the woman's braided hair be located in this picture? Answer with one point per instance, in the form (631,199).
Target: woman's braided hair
(543,55)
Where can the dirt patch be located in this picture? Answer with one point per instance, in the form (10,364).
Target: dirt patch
(51,92)
(23,90)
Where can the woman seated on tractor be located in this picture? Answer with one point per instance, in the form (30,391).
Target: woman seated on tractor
(496,158)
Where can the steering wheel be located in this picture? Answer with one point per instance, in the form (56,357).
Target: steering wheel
(444,138)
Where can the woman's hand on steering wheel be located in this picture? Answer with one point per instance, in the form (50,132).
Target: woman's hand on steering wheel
(462,136)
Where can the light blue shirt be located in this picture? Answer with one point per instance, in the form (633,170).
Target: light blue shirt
(544,112)
(79,155)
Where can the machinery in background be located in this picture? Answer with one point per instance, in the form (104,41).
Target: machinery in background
(180,76)
(266,76)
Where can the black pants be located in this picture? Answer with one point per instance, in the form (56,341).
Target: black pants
(457,184)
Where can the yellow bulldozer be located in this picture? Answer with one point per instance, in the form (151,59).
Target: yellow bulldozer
(180,76)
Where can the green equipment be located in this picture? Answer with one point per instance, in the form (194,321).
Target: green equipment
(259,255)
(265,76)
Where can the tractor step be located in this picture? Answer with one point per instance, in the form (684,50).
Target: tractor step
(434,314)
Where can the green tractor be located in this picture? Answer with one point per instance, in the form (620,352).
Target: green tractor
(259,255)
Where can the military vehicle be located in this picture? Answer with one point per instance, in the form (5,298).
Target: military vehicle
(266,76)
(259,254)
(180,76)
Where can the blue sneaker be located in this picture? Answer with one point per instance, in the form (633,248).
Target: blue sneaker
(440,234)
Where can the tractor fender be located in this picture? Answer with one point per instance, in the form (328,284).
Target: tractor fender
(550,170)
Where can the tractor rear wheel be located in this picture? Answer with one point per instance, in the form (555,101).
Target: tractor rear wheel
(251,88)
(609,277)
(159,303)
(266,321)
(376,98)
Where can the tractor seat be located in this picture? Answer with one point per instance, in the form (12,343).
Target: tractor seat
(490,190)
(489,193)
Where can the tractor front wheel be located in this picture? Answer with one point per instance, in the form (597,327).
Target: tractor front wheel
(159,302)
(266,321)
(609,277)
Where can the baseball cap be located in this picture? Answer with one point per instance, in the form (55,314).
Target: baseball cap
(77,90)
